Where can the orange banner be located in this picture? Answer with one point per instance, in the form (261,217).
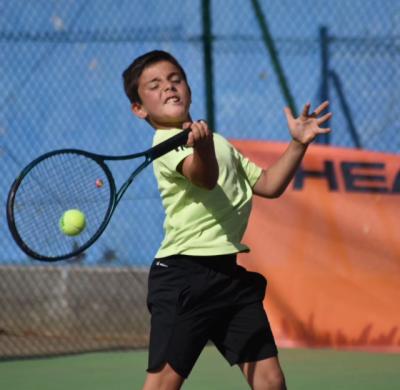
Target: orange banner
(330,248)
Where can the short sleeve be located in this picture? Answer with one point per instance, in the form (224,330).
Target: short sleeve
(167,164)
(252,170)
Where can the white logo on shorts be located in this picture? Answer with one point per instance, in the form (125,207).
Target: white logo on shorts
(161,264)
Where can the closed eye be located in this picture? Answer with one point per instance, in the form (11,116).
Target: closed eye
(153,85)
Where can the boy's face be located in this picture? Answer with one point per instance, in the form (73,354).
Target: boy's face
(165,96)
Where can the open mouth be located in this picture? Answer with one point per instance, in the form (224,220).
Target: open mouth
(172,100)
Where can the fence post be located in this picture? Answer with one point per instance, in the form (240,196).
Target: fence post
(208,62)
(324,89)
(269,43)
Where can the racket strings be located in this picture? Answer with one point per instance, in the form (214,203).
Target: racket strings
(55,185)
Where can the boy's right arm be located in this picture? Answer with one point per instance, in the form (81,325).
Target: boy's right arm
(201,167)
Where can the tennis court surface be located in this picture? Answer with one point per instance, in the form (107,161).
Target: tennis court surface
(304,368)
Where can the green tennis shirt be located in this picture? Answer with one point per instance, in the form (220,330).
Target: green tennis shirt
(201,222)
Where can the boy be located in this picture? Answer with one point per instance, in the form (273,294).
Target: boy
(197,292)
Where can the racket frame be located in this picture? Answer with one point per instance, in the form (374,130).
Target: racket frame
(115,196)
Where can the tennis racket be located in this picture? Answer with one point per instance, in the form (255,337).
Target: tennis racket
(70,179)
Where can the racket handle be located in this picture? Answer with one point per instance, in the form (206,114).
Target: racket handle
(172,143)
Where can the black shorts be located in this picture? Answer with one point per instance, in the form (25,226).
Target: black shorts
(196,299)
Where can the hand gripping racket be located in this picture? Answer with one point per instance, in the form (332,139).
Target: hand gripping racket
(69,179)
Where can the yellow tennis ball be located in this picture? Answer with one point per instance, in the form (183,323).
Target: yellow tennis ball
(72,222)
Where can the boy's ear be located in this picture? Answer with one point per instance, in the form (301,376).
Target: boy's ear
(139,110)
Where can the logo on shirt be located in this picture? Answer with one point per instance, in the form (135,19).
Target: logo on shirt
(180,148)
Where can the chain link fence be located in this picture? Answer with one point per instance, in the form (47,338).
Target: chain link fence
(60,72)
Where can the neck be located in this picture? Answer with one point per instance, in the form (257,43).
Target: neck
(170,125)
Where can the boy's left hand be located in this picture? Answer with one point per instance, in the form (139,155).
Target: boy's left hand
(306,127)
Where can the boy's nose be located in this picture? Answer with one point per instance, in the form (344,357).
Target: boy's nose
(169,87)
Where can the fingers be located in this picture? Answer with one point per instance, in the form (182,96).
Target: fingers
(321,108)
(324,130)
(317,112)
(305,113)
(186,125)
(306,110)
(200,129)
(288,113)
(200,133)
(324,118)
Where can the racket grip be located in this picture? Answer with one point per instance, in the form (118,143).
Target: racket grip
(174,142)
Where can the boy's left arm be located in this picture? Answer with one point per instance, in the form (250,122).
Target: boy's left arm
(274,180)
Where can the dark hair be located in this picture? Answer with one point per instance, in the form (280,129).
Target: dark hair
(133,72)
